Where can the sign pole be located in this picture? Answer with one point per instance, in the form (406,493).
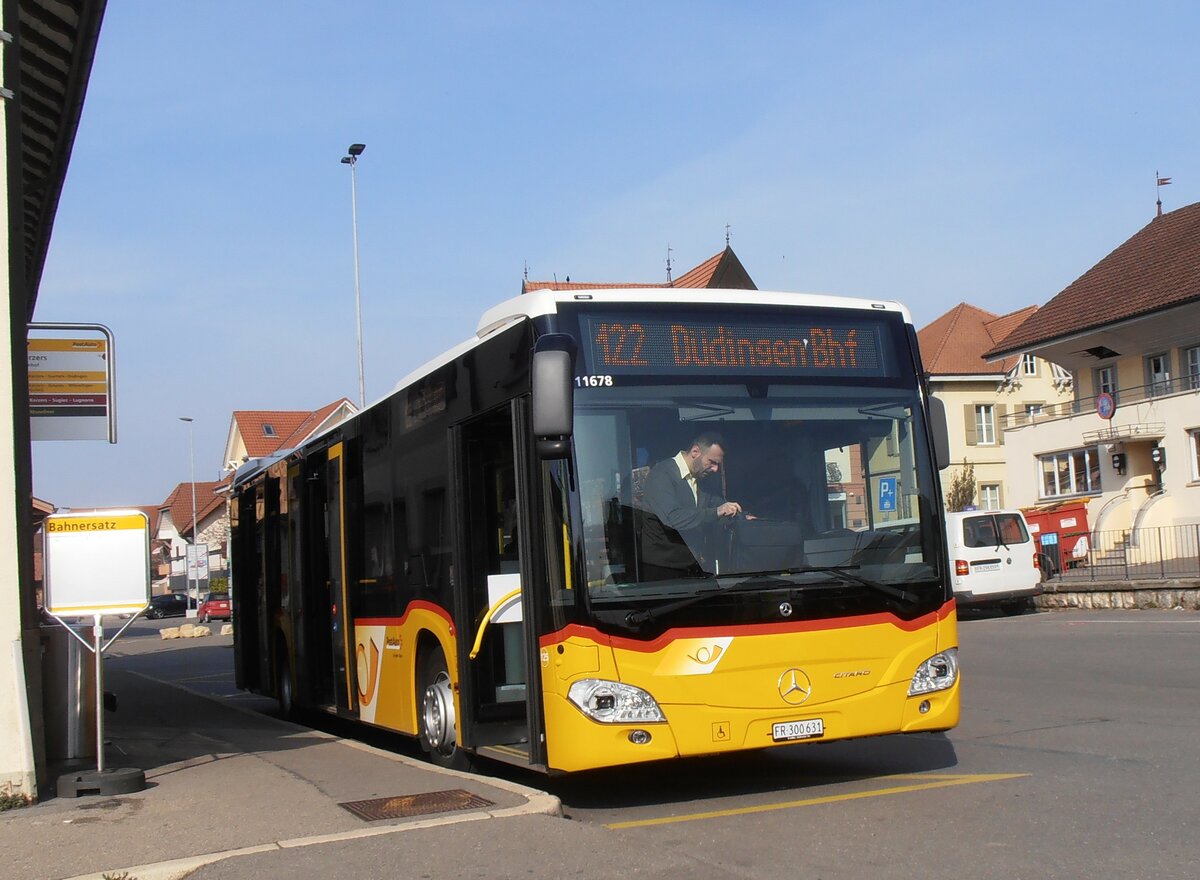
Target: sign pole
(97,564)
(98,641)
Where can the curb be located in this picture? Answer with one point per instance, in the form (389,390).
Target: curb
(536,803)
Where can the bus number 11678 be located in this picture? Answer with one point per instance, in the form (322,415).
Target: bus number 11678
(593,381)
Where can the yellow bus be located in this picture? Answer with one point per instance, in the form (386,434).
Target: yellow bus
(616,526)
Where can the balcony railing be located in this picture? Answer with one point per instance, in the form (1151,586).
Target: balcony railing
(1087,405)
(1154,553)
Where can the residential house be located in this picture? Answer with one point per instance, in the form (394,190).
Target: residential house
(38,511)
(252,434)
(259,433)
(174,533)
(984,398)
(1129,329)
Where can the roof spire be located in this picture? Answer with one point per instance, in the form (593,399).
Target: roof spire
(1159,183)
(526,270)
(669,281)
(726,235)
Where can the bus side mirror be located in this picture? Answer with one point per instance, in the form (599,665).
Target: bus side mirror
(941,433)
(553,381)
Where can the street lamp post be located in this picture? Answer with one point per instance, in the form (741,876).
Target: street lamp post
(351,159)
(192,590)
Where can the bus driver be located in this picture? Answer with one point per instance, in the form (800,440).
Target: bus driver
(681,510)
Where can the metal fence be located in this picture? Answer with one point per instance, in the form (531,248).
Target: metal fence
(1134,554)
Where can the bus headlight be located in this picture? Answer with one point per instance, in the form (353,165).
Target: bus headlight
(937,673)
(611,702)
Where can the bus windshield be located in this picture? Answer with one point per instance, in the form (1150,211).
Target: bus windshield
(833,502)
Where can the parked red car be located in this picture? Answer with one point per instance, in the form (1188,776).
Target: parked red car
(215,607)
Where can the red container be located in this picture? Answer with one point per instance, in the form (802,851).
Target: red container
(1061,531)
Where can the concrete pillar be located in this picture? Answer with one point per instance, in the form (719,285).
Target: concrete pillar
(17,770)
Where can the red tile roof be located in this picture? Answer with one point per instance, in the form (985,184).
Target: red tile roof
(179,504)
(1159,267)
(954,344)
(283,423)
(527,285)
(289,427)
(711,273)
(702,275)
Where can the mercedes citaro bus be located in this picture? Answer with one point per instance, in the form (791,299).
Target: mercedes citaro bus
(465,560)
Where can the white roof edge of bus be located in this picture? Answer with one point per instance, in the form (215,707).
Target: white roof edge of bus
(445,357)
(545,301)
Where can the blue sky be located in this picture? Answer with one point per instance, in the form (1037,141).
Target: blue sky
(933,153)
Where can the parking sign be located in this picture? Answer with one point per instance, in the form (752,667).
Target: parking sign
(887,493)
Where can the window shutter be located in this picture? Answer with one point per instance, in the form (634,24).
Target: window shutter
(969,421)
(998,412)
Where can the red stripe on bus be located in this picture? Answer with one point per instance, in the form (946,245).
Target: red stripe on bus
(416,605)
(708,632)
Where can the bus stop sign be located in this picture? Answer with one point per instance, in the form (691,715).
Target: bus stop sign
(97,563)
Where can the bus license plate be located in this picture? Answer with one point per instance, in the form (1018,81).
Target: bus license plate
(790,730)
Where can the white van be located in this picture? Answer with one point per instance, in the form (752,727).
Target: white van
(993,559)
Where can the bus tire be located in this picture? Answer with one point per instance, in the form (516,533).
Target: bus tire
(285,688)
(438,722)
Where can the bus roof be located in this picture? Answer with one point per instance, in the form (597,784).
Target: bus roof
(546,302)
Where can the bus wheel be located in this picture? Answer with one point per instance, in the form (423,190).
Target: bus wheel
(285,690)
(439,728)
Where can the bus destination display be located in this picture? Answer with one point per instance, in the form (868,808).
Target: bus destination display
(657,345)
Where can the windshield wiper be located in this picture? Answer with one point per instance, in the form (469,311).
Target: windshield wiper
(765,580)
(756,580)
(846,571)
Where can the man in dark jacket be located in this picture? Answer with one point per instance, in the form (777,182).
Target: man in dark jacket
(680,510)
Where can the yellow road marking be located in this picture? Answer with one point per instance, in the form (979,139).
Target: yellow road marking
(938,781)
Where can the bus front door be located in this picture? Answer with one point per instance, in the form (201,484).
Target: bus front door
(493,682)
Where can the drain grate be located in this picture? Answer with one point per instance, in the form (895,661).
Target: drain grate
(406,805)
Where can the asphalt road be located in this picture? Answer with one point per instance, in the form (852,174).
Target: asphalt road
(1076,758)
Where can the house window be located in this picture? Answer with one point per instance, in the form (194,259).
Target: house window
(1106,381)
(1032,411)
(985,424)
(989,496)
(268,430)
(1194,439)
(1070,473)
(1158,373)
(1028,365)
(1191,357)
